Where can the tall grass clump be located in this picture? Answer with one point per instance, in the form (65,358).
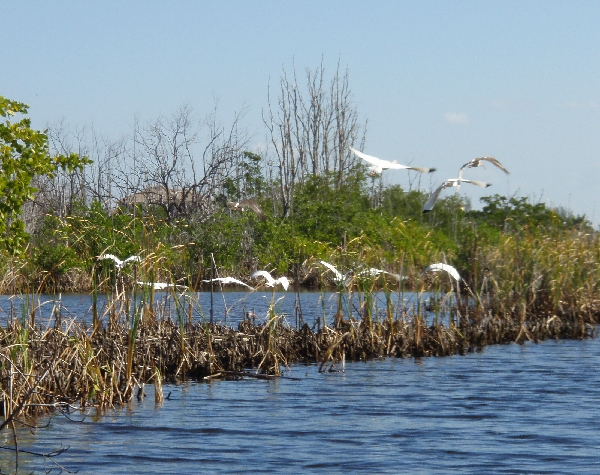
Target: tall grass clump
(543,274)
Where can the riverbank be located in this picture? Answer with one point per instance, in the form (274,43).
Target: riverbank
(106,365)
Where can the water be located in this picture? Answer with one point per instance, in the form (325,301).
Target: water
(510,409)
(229,307)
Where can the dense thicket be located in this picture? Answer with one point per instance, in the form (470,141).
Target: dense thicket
(326,222)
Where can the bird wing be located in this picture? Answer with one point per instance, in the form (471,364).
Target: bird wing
(396,277)
(445,267)
(476,162)
(469,164)
(394,166)
(460,172)
(480,184)
(247,204)
(253,205)
(368,158)
(398,166)
(422,169)
(338,275)
(231,280)
(155,285)
(372,272)
(266,275)
(285,283)
(495,162)
(132,258)
(435,195)
(112,257)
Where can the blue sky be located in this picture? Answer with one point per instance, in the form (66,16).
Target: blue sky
(440,82)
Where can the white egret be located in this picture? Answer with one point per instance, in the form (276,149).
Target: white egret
(245,205)
(271,282)
(448,184)
(339,278)
(228,280)
(161,285)
(477,162)
(444,267)
(373,272)
(119,264)
(378,165)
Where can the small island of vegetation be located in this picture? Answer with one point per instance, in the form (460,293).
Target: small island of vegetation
(193,204)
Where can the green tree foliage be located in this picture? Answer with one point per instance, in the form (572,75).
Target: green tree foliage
(512,214)
(397,202)
(327,213)
(23,154)
(352,221)
(247,180)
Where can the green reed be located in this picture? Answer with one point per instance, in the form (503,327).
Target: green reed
(534,272)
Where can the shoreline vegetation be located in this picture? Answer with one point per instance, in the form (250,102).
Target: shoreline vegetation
(168,210)
(533,288)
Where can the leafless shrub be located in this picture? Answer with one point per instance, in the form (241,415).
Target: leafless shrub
(311,131)
(174,168)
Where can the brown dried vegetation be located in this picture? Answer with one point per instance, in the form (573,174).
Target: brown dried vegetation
(89,367)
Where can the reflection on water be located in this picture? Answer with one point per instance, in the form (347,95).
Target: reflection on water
(509,409)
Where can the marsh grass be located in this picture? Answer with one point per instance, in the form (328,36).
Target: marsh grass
(529,288)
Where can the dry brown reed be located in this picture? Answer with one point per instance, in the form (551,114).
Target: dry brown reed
(530,287)
(93,366)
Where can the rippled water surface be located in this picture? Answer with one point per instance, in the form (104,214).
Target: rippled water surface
(509,409)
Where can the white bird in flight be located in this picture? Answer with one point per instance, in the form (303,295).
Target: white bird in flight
(228,280)
(477,162)
(373,272)
(339,278)
(378,165)
(119,264)
(448,184)
(161,285)
(271,282)
(445,267)
(247,204)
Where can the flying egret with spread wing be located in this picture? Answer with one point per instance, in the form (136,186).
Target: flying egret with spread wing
(378,165)
(119,264)
(339,278)
(373,272)
(478,162)
(271,282)
(448,184)
(444,267)
(228,280)
(245,205)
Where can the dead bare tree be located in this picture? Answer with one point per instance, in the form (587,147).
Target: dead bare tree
(311,131)
(100,175)
(94,182)
(172,170)
(62,193)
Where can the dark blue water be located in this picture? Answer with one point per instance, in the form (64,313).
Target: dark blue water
(508,410)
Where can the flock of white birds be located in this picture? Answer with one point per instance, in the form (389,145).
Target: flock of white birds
(376,166)
(339,278)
